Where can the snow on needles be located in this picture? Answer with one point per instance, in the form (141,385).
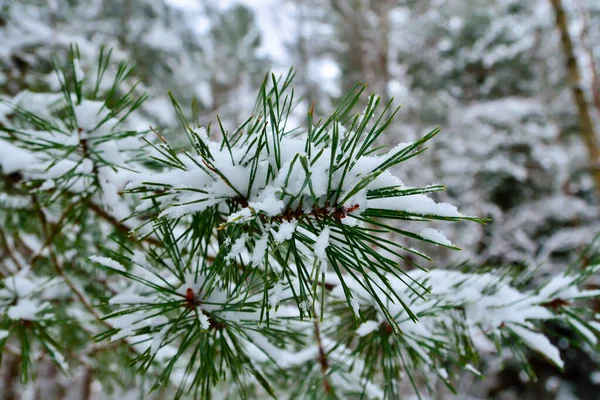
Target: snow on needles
(299,179)
(492,308)
(79,74)
(107,262)
(22,297)
(436,236)
(322,243)
(277,185)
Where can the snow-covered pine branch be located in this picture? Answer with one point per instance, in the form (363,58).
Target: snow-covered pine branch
(244,259)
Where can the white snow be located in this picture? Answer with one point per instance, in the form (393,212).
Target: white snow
(204,321)
(25,309)
(416,204)
(20,285)
(13,158)
(260,249)
(276,295)
(443,373)
(355,306)
(107,262)
(128,298)
(367,327)
(285,232)
(270,205)
(435,236)
(89,113)
(139,258)
(472,369)
(489,302)
(539,343)
(321,244)
(79,74)
(238,246)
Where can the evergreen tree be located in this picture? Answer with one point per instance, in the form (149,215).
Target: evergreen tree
(206,54)
(251,262)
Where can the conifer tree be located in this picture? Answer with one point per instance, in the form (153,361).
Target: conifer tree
(247,263)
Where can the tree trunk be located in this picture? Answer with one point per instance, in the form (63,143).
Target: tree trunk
(11,367)
(583,108)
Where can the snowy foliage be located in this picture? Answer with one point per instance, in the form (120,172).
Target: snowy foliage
(139,235)
(247,258)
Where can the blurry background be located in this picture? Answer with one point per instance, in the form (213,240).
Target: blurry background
(491,73)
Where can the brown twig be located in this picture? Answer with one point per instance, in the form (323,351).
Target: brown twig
(95,208)
(61,271)
(88,380)
(9,252)
(119,226)
(55,231)
(322,358)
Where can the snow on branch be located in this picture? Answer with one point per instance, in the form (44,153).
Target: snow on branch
(241,259)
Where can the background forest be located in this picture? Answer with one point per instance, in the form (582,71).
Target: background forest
(491,73)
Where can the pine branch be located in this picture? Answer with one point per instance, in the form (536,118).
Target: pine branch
(261,255)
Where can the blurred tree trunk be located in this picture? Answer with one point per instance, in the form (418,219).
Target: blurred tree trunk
(305,54)
(583,108)
(47,382)
(586,22)
(352,35)
(11,367)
